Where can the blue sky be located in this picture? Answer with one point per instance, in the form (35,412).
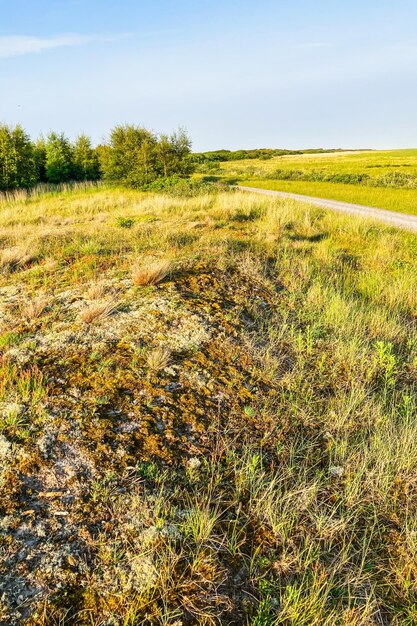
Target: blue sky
(299,73)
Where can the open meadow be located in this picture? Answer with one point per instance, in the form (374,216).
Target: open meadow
(207,412)
(382,179)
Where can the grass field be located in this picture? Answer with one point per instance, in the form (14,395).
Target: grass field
(399,200)
(207,413)
(374,163)
(396,169)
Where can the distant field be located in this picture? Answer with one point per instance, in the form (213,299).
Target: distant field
(374,163)
(381,179)
(401,200)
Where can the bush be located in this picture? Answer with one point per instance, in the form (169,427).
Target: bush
(392,179)
(396,179)
(138,157)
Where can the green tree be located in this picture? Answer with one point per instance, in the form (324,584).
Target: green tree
(86,161)
(165,154)
(40,159)
(102,152)
(174,153)
(17,162)
(132,159)
(59,166)
(181,149)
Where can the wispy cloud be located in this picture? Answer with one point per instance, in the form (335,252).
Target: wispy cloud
(17,45)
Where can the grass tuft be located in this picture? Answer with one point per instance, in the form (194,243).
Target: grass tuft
(158,359)
(13,258)
(97,311)
(34,308)
(95,291)
(151,272)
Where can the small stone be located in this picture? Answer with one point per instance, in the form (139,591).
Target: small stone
(337,470)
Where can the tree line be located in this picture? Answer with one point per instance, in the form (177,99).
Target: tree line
(133,156)
(257,153)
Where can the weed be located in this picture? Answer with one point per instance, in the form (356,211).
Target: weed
(125,222)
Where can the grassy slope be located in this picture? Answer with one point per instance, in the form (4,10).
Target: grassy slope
(236,444)
(378,163)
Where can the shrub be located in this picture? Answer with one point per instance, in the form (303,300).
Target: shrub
(138,157)
(392,179)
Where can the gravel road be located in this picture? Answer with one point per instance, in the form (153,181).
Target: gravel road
(400,220)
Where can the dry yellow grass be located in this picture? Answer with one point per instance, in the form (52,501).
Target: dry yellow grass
(95,291)
(98,310)
(151,272)
(34,308)
(158,359)
(11,258)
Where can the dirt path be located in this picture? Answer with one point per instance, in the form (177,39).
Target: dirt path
(400,220)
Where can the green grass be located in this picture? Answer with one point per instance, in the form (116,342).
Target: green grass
(399,200)
(375,165)
(233,444)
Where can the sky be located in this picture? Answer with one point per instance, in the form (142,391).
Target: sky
(234,73)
